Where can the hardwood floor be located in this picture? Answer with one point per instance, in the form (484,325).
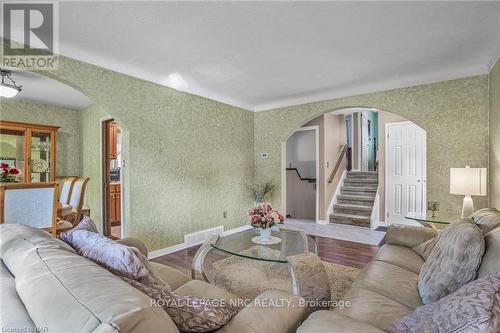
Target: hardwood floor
(331,250)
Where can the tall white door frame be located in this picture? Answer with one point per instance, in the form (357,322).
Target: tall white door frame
(319,177)
(408,201)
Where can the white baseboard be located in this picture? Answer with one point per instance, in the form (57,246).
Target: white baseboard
(182,246)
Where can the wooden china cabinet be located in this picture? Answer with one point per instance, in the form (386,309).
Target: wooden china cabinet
(30,148)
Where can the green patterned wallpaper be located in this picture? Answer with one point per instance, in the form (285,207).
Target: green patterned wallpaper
(68,146)
(189,158)
(494,170)
(454,114)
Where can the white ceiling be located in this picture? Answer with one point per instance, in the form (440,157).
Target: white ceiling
(260,55)
(41,89)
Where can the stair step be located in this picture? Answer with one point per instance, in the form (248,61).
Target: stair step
(355,199)
(359,188)
(357,192)
(360,210)
(362,174)
(362,182)
(360,221)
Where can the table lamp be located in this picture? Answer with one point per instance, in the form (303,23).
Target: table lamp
(468,181)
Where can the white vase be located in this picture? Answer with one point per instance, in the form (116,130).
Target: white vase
(265,234)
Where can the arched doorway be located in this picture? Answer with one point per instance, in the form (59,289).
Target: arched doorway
(372,168)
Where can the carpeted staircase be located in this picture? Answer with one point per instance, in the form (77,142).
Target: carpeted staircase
(354,204)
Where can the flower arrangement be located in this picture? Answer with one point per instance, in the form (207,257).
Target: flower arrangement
(264,216)
(8,174)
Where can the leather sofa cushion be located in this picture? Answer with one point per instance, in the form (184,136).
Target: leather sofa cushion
(202,289)
(333,322)
(453,262)
(382,278)
(63,291)
(171,276)
(13,315)
(373,308)
(400,256)
(259,317)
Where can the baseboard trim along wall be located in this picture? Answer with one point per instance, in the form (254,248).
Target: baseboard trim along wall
(184,245)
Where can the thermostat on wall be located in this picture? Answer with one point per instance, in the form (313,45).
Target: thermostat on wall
(264,155)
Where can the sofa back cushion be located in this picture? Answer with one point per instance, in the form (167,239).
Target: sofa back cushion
(453,262)
(66,293)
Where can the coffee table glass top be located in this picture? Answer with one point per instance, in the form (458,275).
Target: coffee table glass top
(240,244)
(442,218)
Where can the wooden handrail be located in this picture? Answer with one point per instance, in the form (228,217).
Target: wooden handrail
(337,165)
(310,180)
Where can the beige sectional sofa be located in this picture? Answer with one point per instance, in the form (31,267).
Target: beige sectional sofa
(45,284)
(386,289)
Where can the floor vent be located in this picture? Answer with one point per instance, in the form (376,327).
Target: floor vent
(201,236)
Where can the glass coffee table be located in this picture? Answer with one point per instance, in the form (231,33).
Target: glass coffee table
(235,261)
(439,221)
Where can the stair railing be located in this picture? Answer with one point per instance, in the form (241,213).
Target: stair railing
(337,165)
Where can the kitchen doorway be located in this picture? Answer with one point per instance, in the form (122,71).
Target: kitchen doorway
(112,167)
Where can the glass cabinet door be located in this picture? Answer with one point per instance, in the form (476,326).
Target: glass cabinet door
(40,159)
(12,143)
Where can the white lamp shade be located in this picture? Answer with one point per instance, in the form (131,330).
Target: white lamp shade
(468,181)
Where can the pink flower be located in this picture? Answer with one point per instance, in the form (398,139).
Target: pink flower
(4,165)
(264,215)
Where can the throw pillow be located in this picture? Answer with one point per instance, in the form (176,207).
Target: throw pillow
(424,250)
(190,314)
(487,219)
(475,307)
(85,224)
(453,262)
(117,258)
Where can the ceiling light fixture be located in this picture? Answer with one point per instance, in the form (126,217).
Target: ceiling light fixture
(8,90)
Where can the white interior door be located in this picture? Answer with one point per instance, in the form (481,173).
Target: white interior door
(405,171)
(364,141)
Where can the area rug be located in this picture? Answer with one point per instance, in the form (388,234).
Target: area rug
(248,278)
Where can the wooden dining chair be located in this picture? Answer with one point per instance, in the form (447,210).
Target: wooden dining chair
(33,204)
(66,188)
(76,202)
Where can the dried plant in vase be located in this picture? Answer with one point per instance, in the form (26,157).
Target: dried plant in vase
(262,191)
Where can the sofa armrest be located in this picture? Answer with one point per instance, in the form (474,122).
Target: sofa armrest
(409,236)
(134,242)
(333,322)
(260,316)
